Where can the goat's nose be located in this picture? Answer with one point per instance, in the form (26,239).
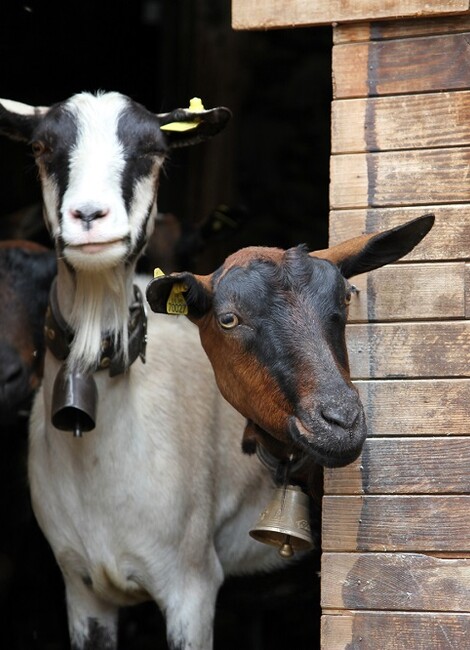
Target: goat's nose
(341,415)
(87,215)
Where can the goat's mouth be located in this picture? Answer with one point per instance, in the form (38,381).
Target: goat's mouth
(95,247)
(336,447)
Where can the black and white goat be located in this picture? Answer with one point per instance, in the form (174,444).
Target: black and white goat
(155,502)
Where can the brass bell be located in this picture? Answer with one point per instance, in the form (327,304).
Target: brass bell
(285,522)
(74,400)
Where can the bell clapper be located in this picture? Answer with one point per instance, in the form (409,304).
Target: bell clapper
(286,551)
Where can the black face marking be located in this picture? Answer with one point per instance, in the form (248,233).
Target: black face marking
(58,133)
(142,141)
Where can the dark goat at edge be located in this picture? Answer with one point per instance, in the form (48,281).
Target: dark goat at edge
(272,323)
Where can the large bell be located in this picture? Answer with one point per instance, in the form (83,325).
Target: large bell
(285,522)
(74,399)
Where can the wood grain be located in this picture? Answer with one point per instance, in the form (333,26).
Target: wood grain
(395,631)
(409,65)
(448,239)
(398,178)
(396,523)
(395,581)
(266,14)
(410,291)
(420,407)
(377,31)
(401,122)
(405,466)
(432,349)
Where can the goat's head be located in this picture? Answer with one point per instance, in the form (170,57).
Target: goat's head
(272,323)
(99,158)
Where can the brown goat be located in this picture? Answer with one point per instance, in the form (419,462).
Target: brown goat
(272,323)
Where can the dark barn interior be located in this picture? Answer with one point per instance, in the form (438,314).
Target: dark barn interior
(263,181)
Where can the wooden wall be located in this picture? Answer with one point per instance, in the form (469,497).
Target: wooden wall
(396,523)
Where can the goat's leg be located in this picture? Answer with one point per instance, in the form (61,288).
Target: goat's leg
(92,622)
(190,608)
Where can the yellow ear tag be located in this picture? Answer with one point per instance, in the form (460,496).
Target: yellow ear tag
(157,273)
(176,304)
(195,106)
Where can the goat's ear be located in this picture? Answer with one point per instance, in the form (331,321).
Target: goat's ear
(368,252)
(17,120)
(180,293)
(183,127)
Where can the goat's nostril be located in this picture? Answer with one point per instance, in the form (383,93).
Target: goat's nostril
(87,216)
(344,418)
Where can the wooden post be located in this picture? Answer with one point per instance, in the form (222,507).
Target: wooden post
(396,523)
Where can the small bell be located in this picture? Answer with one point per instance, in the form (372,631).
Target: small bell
(285,522)
(74,400)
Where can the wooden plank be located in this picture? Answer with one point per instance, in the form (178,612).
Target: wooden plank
(448,239)
(389,350)
(396,523)
(427,407)
(396,178)
(268,14)
(409,65)
(403,122)
(405,466)
(395,631)
(410,291)
(377,31)
(395,581)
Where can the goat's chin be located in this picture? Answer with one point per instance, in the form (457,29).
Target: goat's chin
(96,257)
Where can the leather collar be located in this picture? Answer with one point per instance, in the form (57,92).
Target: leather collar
(59,335)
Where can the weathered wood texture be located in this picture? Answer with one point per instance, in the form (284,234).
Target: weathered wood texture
(449,238)
(399,350)
(396,631)
(412,291)
(401,122)
(400,178)
(266,14)
(396,523)
(395,581)
(401,66)
(406,466)
(378,31)
(421,407)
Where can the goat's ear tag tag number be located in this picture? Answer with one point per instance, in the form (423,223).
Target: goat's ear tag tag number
(195,106)
(176,304)
(158,273)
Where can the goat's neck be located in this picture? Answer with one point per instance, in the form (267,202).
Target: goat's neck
(93,304)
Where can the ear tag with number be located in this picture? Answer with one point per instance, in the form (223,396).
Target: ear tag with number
(176,304)
(195,106)
(158,273)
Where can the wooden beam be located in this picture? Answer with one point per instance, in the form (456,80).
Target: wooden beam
(403,122)
(395,631)
(410,291)
(400,178)
(448,239)
(408,65)
(405,466)
(427,407)
(268,14)
(378,31)
(399,350)
(395,581)
(396,523)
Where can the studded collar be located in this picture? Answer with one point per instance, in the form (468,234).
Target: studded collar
(59,335)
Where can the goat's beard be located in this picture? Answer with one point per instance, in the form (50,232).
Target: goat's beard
(100,307)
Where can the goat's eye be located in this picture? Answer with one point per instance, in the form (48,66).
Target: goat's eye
(39,148)
(228,321)
(347,298)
